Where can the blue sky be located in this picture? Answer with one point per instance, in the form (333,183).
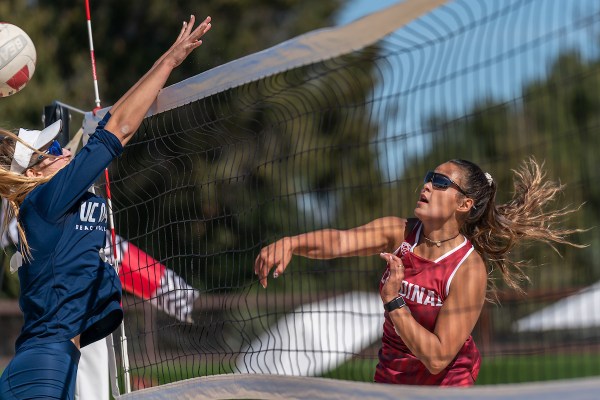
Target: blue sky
(544,28)
(354,9)
(549,21)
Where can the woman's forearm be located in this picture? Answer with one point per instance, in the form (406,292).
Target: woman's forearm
(369,239)
(322,244)
(130,111)
(425,345)
(382,234)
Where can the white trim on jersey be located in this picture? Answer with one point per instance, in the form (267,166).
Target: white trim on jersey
(417,236)
(452,251)
(456,269)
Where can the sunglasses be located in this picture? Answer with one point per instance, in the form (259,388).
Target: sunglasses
(55,149)
(441,181)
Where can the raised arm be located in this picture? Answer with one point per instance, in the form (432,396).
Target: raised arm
(383,234)
(129,111)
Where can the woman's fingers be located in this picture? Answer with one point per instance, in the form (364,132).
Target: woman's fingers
(391,259)
(191,23)
(200,29)
(182,31)
(393,281)
(262,266)
(263,272)
(395,265)
(188,31)
(192,37)
(270,257)
(257,265)
(188,40)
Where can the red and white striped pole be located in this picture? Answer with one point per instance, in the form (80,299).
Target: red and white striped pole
(92,55)
(111,222)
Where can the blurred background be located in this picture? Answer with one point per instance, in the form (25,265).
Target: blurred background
(494,82)
(130,36)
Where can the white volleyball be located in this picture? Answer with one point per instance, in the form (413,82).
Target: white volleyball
(17,59)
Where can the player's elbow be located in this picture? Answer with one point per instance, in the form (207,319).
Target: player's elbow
(436,368)
(436,365)
(122,127)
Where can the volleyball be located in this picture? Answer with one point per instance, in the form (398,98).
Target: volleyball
(17,59)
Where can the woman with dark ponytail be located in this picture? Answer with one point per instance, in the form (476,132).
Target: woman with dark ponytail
(434,286)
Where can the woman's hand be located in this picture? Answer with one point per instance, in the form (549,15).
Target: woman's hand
(393,282)
(129,111)
(278,254)
(187,41)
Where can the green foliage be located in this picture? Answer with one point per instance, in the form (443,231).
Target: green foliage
(9,282)
(130,35)
(498,370)
(269,159)
(538,367)
(24,109)
(554,121)
(357,369)
(128,38)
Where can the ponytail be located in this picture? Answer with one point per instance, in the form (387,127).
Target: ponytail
(15,187)
(495,229)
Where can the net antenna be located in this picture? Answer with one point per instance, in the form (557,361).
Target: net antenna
(124,354)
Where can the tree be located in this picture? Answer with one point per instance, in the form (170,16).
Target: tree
(239,169)
(556,122)
(128,37)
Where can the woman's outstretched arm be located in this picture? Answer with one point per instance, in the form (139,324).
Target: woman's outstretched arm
(383,234)
(129,111)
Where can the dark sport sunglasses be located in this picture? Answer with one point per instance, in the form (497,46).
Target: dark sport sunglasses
(441,181)
(55,149)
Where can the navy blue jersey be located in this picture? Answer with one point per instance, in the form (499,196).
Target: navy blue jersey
(66,288)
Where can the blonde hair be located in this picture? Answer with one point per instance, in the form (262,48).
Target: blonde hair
(495,229)
(15,187)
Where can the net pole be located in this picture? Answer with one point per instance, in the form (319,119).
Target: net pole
(111,223)
(92,55)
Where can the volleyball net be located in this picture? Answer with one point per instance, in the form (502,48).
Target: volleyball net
(331,130)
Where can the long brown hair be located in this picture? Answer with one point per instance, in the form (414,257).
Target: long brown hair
(495,229)
(15,187)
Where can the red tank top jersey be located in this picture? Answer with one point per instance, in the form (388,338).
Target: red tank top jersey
(425,287)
